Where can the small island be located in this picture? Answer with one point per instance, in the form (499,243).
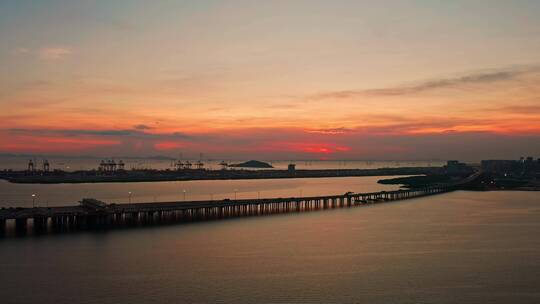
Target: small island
(252,164)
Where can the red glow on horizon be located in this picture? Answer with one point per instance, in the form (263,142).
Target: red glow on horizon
(306,147)
(169,145)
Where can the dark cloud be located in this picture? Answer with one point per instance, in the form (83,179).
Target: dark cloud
(181,135)
(101,132)
(434,84)
(341,130)
(142,127)
(106,133)
(74,132)
(446,83)
(517,109)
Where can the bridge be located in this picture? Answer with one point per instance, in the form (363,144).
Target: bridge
(92,214)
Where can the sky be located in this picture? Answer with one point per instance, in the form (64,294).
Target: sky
(377,80)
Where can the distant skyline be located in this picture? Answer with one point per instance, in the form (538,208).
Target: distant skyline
(271,80)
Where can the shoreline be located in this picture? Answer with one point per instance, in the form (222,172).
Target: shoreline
(78,177)
(419,181)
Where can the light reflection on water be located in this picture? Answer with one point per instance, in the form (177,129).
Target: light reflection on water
(19,195)
(460,247)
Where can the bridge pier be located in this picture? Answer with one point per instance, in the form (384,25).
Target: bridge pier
(184,215)
(54,223)
(107,221)
(62,223)
(170,216)
(101,221)
(80,222)
(132,218)
(117,219)
(180,215)
(98,221)
(59,225)
(3,223)
(21,225)
(65,222)
(40,224)
(91,221)
(147,218)
(70,225)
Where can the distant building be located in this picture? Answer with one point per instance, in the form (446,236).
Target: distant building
(508,168)
(454,167)
(501,166)
(31,166)
(291,168)
(110,166)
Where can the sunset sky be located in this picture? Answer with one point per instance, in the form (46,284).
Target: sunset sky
(271,79)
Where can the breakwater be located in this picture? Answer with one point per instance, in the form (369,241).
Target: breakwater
(94,176)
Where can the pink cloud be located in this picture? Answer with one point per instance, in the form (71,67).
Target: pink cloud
(53,144)
(56,52)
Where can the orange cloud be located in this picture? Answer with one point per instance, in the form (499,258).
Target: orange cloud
(52,144)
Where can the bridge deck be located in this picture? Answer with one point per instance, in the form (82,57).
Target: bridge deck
(93,214)
(18,213)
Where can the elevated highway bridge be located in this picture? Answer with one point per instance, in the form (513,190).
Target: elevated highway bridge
(92,214)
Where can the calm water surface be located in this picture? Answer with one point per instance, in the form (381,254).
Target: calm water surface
(461,247)
(20,195)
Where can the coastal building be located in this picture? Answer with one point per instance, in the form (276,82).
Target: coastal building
(456,168)
(291,168)
(110,165)
(522,167)
(501,166)
(31,166)
(46,166)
